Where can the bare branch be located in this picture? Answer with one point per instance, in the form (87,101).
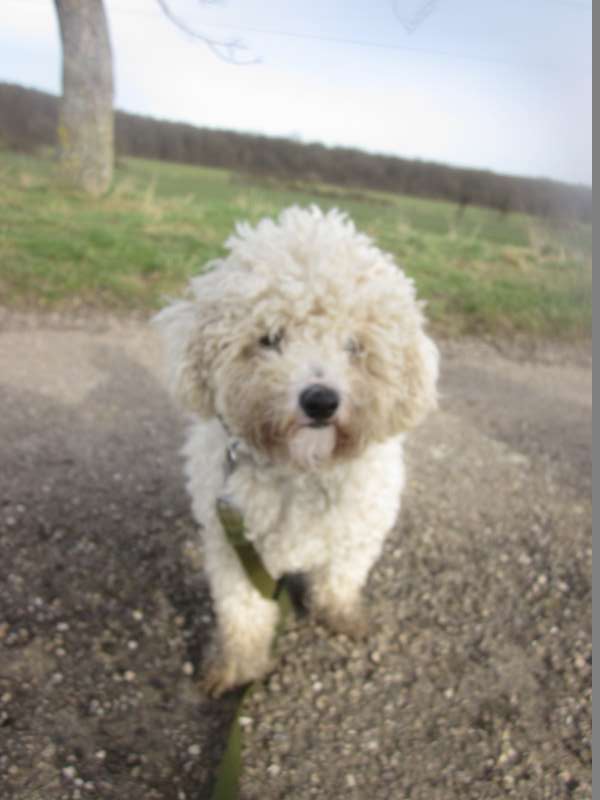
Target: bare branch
(412,14)
(228,50)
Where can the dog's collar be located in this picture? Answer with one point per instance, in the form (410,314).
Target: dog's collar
(237,451)
(231,457)
(232,450)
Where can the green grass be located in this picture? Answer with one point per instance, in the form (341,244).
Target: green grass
(481,272)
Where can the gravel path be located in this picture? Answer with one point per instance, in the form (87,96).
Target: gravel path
(475,682)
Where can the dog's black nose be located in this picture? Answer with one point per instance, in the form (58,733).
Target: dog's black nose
(319,402)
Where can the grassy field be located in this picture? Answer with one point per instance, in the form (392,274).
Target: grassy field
(481,272)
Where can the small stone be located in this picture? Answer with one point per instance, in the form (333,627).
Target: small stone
(507,757)
(49,752)
(350,781)
(129,675)
(101,755)
(137,615)
(69,773)
(273,770)
(321,702)
(194,749)
(188,668)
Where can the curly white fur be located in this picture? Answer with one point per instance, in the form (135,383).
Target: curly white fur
(299,302)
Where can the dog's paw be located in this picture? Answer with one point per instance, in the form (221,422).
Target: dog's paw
(225,674)
(353,622)
(218,679)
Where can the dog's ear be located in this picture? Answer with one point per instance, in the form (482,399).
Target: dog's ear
(416,382)
(401,371)
(188,356)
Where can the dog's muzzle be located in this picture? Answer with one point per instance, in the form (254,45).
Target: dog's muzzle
(319,403)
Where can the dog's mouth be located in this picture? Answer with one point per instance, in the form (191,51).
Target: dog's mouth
(312,444)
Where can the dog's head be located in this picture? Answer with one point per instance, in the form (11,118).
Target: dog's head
(306,340)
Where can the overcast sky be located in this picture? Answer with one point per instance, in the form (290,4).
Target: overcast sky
(502,84)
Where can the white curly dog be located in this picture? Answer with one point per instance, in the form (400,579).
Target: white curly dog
(304,346)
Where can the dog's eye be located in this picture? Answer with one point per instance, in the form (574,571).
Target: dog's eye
(353,347)
(271,341)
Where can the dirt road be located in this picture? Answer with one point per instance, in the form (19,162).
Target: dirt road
(475,683)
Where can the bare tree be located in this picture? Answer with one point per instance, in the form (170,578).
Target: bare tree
(86,121)
(86,127)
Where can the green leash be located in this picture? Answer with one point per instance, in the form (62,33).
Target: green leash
(227,783)
(232,520)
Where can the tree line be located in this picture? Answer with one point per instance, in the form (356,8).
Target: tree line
(29,118)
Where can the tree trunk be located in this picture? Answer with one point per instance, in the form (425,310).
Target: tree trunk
(85,127)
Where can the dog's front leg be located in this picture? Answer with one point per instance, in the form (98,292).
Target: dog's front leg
(336,600)
(246,621)
(336,588)
(355,536)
